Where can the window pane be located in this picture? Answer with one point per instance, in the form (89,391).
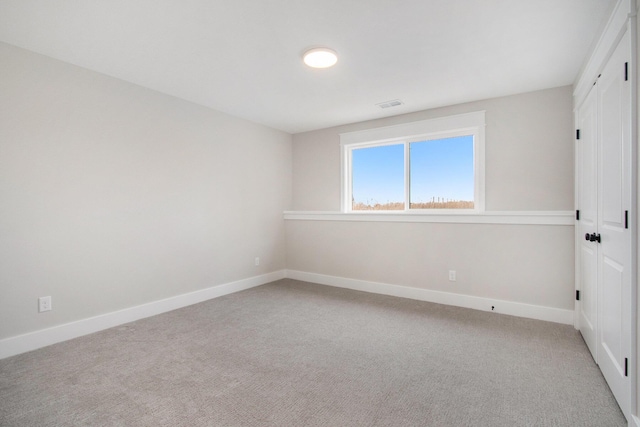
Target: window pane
(442,174)
(378,178)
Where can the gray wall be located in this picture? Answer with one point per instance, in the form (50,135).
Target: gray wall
(113,195)
(529,167)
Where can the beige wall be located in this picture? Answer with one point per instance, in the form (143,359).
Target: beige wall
(524,264)
(113,195)
(529,153)
(529,167)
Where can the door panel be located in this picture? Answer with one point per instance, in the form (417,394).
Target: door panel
(586,200)
(614,252)
(588,298)
(611,153)
(612,328)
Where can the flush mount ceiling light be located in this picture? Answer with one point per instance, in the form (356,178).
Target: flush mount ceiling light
(320,57)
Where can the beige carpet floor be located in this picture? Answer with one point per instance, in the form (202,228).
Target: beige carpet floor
(297,354)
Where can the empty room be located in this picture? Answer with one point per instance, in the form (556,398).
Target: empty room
(319,213)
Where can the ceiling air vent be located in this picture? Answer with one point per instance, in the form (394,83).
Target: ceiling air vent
(389,104)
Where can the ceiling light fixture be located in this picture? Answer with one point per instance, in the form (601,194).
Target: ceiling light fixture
(320,57)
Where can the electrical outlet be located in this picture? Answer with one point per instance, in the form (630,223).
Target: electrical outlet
(257,260)
(44,304)
(452,275)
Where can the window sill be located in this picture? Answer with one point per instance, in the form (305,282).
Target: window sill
(487,217)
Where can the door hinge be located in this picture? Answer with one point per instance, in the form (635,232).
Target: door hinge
(577,133)
(577,295)
(626,71)
(578,215)
(626,367)
(626,219)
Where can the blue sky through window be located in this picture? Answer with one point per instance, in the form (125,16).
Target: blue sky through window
(441,168)
(378,174)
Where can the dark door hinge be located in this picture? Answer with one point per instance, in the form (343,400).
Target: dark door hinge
(577,295)
(577,133)
(626,219)
(626,71)
(594,83)
(626,367)
(578,215)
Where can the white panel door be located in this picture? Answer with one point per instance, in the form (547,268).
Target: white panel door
(614,202)
(587,203)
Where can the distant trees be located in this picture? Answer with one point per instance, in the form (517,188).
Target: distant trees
(435,203)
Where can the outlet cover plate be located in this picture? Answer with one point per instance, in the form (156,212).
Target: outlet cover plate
(44,304)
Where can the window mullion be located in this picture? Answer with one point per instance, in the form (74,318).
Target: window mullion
(407,175)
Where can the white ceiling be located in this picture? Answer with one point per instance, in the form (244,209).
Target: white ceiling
(243,57)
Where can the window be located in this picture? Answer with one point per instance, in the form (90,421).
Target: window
(427,166)
(377,178)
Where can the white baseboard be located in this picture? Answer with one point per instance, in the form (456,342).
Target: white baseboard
(42,338)
(549,314)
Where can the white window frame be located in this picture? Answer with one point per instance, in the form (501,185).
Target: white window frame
(438,128)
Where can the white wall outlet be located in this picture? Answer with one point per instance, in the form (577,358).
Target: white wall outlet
(452,275)
(44,304)
(257,260)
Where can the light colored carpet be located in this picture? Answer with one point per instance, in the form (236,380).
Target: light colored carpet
(296,354)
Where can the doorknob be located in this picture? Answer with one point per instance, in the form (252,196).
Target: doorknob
(593,237)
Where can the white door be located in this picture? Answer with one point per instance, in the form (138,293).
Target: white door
(587,224)
(615,267)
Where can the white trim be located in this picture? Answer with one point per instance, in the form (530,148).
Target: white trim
(635,421)
(549,314)
(441,127)
(45,337)
(608,40)
(495,217)
(42,338)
